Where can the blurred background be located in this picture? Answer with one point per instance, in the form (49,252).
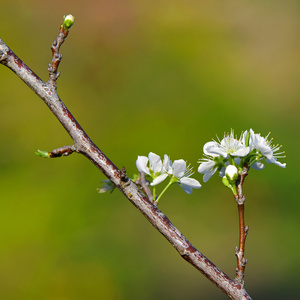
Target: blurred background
(163,76)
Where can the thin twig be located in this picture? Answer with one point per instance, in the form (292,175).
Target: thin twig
(243,230)
(145,187)
(56,56)
(84,145)
(63,151)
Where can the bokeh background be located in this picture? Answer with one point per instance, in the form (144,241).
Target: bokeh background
(163,76)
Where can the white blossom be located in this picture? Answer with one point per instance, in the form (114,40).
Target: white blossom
(181,174)
(228,146)
(267,150)
(152,166)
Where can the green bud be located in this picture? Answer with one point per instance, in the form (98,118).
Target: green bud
(229,185)
(41,153)
(68,21)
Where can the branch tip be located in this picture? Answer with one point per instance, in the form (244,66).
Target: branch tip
(41,153)
(56,56)
(68,21)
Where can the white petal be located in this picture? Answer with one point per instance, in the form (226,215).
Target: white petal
(275,162)
(179,167)
(265,150)
(193,183)
(167,165)
(186,188)
(241,152)
(206,166)
(213,149)
(141,164)
(155,162)
(208,174)
(159,179)
(258,166)
(222,172)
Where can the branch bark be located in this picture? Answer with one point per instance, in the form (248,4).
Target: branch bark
(84,145)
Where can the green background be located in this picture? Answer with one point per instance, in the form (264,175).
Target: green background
(163,76)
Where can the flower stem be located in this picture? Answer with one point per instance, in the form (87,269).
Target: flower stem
(167,186)
(231,160)
(154,195)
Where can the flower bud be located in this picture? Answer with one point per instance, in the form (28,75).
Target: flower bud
(68,21)
(231,173)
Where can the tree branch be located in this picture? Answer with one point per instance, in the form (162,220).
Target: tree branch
(84,145)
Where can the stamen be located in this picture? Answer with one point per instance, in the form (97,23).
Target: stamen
(188,171)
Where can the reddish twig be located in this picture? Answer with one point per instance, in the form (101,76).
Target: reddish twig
(56,56)
(243,230)
(84,145)
(63,151)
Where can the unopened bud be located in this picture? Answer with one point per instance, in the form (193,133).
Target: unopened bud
(231,173)
(68,21)
(230,177)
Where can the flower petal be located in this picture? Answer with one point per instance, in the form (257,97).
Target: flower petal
(258,166)
(265,150)
(186,188)
(208,174)
(213,149)
(141,164)
(155,162)
(179,167)
(241,152)
(206,166)
(167,165)
(159,179)
(193,183)
(274,161)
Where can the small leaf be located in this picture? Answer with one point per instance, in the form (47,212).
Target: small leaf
(42,153)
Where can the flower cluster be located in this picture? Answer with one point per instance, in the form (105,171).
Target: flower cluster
(250,149)
(159,170)
(227,156)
